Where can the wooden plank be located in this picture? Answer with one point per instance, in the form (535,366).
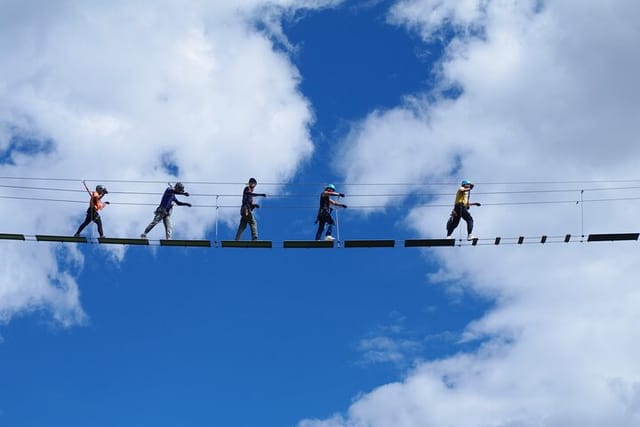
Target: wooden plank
(123,241)
(415,243)
(307,244)
(612,237)
(369,243)
(267,244)
(65,239)
(190,243)
(8,236)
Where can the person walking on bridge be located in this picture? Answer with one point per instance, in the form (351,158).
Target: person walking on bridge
(461,210)
(324,212)
(163,211)
(246,210)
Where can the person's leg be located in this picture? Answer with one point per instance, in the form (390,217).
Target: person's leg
(241,227)
(168,227)
(87,221)
(468,218)
(452,223)
(330,227)
(156,219)
(98,221)
(254,227)
(320,228)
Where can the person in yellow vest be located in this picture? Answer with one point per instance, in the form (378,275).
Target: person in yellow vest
(95,204)
(461,210)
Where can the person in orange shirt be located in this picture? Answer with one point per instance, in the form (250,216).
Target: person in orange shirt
(95,205)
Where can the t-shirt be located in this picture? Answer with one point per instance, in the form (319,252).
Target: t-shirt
(168,199)
(95,201)
(247,197)
(462,197)
(325,205)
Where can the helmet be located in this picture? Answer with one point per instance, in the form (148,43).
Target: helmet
(466,182)
(179,187)
(331,186)
(252,181)
(100,189)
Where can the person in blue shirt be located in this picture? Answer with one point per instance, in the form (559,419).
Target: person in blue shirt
(163,212)
(246,210)
(324,212)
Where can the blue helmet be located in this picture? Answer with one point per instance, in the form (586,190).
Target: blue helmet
(466,182)
(331,186)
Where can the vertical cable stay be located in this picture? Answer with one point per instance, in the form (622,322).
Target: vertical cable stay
(582,214)
(217,207)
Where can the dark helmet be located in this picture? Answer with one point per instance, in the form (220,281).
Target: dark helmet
(252,181)
(101,189)
(179,187)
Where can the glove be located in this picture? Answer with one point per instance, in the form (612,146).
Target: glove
(107,203)
(344,206)
(186,194)
(471,186)
(341,194)
(478,204)
(255,206)
(188,205)
(104,191)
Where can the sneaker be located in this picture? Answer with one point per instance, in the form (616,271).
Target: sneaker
(329,238)
(471,237)
(449,236)
(143,236)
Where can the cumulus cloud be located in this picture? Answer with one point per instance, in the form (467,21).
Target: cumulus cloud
(144,91)
(389,343)
(544,91)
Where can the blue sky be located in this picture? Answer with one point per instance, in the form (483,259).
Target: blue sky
(301,94)
(245,338)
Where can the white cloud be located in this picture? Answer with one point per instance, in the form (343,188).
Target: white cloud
(111,91)
(389,343)
(548,92)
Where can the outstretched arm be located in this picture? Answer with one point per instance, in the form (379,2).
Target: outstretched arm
(333,203)
(179,203)
(333,193)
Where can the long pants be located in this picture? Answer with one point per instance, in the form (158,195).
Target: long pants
(459,211)
(322,220)
(250,220)
(165,217)
(92,215)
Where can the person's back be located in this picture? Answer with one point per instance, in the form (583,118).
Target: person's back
(167,199)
